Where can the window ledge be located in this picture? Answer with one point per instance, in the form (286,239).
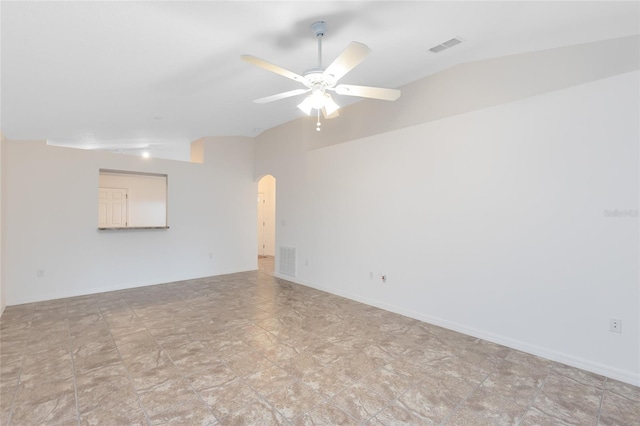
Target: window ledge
(133,228)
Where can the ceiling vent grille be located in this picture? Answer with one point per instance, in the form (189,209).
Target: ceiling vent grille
(446,45)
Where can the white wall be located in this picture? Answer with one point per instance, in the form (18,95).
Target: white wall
(2,292)
(491,222)
(51,221)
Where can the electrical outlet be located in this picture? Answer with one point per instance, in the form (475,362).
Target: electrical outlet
(615,325)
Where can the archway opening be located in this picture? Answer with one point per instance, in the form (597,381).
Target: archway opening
(266,223)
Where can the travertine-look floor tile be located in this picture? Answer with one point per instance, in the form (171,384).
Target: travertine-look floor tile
(518,382)
(106,389)
(617,410)
(325,414)
(251,349)
(436,397)
(215,376)
(580,376)
(623,389)
(175,401)
(388,383)
(148,370)
(360,402)
(294,400)
(40,391)
(326,381)
(97,359)
(535,417)
(565,399)
(246,364)
(269,380)
(123,416)
(228,397)
(54,408)
(395,415)
(483,407)
(257,412)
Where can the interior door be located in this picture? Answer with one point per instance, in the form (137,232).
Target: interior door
(261,224)
(112,207)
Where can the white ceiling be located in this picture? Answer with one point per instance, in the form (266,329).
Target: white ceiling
(130,74)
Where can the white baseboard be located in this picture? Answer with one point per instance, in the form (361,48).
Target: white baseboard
(117,287)
(85,292)
(583,364)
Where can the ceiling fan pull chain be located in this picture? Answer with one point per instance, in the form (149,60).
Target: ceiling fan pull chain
(318,124)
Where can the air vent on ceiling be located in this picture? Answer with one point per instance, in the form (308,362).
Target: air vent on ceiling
(446,45)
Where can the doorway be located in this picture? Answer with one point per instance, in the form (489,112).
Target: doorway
(266,221)
(112,208)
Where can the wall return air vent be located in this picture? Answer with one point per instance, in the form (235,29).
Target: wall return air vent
(288,261)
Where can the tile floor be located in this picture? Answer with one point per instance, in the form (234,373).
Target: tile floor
(251,349)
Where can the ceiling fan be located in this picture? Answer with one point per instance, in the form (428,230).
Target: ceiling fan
(319,81)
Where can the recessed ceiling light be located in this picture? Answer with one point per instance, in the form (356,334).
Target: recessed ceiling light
(145,154)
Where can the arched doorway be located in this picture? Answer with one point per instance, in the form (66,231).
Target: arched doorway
(266,222)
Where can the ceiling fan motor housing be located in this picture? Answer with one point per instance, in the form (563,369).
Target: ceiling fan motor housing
(319,28)
(316,76)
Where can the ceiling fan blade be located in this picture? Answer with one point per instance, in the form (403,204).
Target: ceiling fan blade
(279,96)
(368,92)
(348,60)
(273,68)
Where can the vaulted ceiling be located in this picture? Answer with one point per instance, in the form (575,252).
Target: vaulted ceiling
(134,74)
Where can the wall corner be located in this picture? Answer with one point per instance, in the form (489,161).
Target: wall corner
(3,303)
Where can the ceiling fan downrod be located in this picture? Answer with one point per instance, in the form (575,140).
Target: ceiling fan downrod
(318,28)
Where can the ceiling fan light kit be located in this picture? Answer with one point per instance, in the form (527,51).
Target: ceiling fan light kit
(319,81)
